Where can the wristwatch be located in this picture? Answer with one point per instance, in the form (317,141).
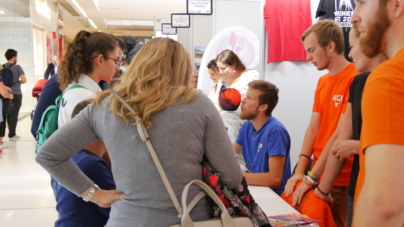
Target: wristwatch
(91,194)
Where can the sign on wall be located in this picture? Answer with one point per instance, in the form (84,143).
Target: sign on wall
(166,29)
(43,13)
(43,9)
(199,7)
(180,20)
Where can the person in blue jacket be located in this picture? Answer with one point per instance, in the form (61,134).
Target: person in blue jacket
(48,96)
(73,210)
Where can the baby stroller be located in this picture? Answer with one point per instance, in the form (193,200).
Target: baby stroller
(36,93)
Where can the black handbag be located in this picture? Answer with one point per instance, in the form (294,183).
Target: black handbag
(8,106)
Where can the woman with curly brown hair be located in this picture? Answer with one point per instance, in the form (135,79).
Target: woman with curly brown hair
(183,126)
(89,59)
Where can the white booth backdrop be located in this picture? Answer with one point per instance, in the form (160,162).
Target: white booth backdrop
(240,40)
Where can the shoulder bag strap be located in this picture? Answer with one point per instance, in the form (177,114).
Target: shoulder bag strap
(145,138)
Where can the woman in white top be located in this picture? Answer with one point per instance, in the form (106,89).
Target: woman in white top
(90,58)
(215,77)
(234,73)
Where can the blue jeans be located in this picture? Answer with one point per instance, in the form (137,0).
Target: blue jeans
(55,186)
(350,210)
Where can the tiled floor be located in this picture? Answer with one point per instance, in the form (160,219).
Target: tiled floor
(26,198)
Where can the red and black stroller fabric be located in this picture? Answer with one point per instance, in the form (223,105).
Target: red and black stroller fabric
(238,201)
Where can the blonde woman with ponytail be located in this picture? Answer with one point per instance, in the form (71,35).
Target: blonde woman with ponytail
(183,126)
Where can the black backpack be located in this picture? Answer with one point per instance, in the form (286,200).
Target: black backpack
(7,75)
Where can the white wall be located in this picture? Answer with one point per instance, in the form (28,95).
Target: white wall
(201,28)
(16,33)
(297,82)
(158,21)
(184,37)
(39,19)
(199,34)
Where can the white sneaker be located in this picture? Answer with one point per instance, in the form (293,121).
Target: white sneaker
(14,138)
(3,145)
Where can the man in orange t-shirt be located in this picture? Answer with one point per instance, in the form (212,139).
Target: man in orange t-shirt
(349,130)
(324,44)
(378,196)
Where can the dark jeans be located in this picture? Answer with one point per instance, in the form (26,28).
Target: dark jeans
(340,207)
(3,125)
(12,118)
(350,210)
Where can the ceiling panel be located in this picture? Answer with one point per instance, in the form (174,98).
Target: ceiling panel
(140,9)
(150,28)
(68,8)
(119,10)
(15,8)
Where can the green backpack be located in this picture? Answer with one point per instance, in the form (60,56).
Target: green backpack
(49,120)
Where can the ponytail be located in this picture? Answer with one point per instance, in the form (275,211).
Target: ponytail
(79,54)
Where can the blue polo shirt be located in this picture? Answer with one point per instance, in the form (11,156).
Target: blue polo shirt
(73,211)
(272,139)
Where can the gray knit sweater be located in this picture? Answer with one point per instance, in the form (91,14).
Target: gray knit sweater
(181,135)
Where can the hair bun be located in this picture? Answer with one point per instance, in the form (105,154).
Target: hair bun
(88,34)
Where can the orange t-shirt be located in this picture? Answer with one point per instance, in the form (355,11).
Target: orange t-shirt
(382,110)
(313,206)
(330,102)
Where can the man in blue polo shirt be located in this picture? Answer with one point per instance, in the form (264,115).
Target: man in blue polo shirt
(263,140)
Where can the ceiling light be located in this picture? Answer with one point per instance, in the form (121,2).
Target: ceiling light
(130,22)
(61,22)
(79,7)
(92,23)
(1,12)
(113,22)
(126,22)
(143,23)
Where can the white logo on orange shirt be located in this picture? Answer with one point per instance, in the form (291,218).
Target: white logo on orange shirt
(338,99)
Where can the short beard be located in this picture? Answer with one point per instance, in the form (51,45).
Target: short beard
(372,44)
(248,116)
